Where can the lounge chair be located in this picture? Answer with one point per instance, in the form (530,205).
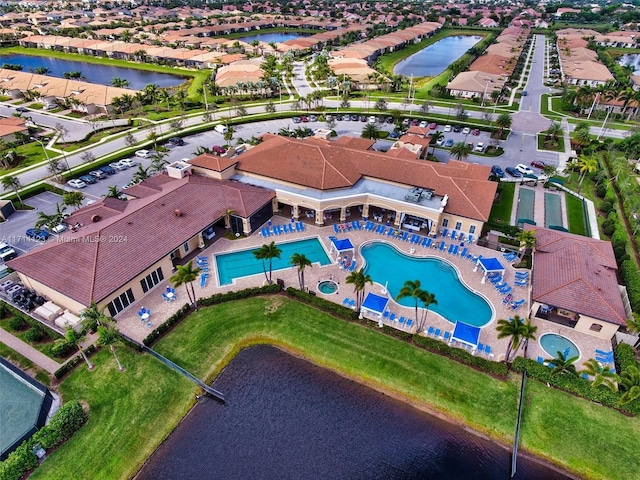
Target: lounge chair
(521,284)
(506,290)
(447,336)
(495,280)
(426,242)
(392,317)
(391,232)
(385,315)
(454,235)
(442,246)
(445,233)
(430,331)
(541,360)
(507,299)
(352,267)
(498,286)
(450,250)
(369,226)
(463,252)
(524,274)
(300,226)
(479,348)
(602,352)
(401,320)
(437,333)
(470,239)
(404,236)
(352,303)
(346,301)
(487,350)
(516,305)
(455,250)
(409,322)
(415,238)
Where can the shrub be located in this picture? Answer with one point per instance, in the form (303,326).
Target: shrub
(16,324)
(606,207)
(631,278)
(601,190)
(69,365)
(625,357)
(33,335)
(18,463)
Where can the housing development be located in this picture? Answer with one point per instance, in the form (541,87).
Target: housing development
(435,200)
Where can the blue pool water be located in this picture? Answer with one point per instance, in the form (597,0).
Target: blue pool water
(455,301)
(552,343)
(243,263)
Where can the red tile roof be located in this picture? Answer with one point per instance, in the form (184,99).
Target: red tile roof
(120,239)
(578,274)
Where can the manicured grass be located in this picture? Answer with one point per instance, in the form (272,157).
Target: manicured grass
(501,211)
(44,346)
(558,146)
(132,411)
(575,215)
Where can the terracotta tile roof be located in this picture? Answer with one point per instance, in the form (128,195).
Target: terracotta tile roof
(354,142)
(213,162)
(578,274)
(327,165)
(135,234)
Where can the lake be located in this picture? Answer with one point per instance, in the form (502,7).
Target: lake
(434,59)
(286,418)
(632,59)
(272,37)
(93,73)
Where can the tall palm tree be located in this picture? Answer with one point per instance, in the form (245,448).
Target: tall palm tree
(527,332)
(586,164)
(73,199)
(563,365)
(94,316)
(113,192)
(460,150)
(630,383)
(411,288)
(554,131)
(73,339)
(527,240)
(267,252)
(301,261)
(512,329)
(602,375)
(370,131)
(10,182)
(434,140)
(359,281)
(109,336)
(185,275)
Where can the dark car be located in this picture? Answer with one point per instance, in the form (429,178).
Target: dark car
(363,118)
(433,126)
(296,120)
(497,171)
(525,93)
(415,122)
(513,172)
(108,170)
(90,179)
(394,134)
(457,128)
(177,141)
(304,119)
(354,118)
(538,164)
(389,120)
(22,109)
(37,234)
(339,118)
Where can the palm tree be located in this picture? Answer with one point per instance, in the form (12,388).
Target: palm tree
(527,240)
(554,131)
(119,82)
(630,382)
(512,328)
(563,365)
(503,122)
(45,220)
(11,182)
(586,164)
(602,375)
(109,336)
(73,199)
(460,150)
(73,339)
(359,281)
(411,288)
(370,131)
(185,275)
(527,332)
(267,252)
(300,261)
(141,174)
(94,316)
(114,192)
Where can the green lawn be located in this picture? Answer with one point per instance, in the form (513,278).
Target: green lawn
(575,215)
(557,146)
(131,412)
(501,211)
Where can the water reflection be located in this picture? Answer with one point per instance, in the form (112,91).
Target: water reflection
(272,37)
(287,419)
(432,60)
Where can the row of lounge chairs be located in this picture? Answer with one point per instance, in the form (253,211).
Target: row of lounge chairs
(455,235)
(446,337)
(504,289)
(397,322)
(347,226)
(510,256)
(282,229)
(203,265)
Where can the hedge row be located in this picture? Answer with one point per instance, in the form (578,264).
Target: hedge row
(166,325)
(68,366)
(426,343)
(30,321)
(625,357)
(575,385)
(62,426)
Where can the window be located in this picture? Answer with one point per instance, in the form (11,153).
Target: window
(472,229)
(458,225)
(186,247)
(152,280)
(121,302)
(595,327)
(445,222)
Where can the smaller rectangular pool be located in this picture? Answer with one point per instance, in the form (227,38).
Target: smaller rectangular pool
(243,263)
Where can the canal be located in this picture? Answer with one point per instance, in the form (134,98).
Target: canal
(434,59)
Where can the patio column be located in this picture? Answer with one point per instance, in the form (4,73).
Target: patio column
(397,221)
(319,217)
(274,205)
(295,211)
(246,226)
(343,214)
(365,210)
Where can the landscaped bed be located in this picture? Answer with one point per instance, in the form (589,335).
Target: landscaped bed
(132,411)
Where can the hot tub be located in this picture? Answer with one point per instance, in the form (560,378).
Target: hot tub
(552,343)
(327,287)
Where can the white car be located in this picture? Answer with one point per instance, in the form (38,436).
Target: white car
(129,162)
(466,131)
(447,128)
(479,147)
(440,141)
(118,166)
(523,169)
(143,153)
(76,183)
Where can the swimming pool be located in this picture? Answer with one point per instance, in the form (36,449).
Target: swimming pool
(243,263)
(384,263)
(552,343)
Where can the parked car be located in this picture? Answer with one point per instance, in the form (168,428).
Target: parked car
(440,141)
(513,172)
(363,118)
(76,183)
(143,153)
(497,171)
(296,120)
(447,128)
(61,227)
(97,174)
(475,132)
(7,252)
(395,134)
(313,118)
(466,131)
(415,122)
(129,162)
(479,147)
(433,126)
(304,119)
(177,141)
(372,119)
(389,120)
(448,142)
(423,124)
(538,164)
(525,93)
(22,109)
(218,150)
(457,128)
(88,179)
(118,166)
(107,169)
(405,122)
(339,117)
(37,234)
(354,118)
(523,169)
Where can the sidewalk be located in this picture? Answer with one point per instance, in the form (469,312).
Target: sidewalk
(26,350)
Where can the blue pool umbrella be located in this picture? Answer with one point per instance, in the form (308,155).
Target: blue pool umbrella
(375,304)
(466,333)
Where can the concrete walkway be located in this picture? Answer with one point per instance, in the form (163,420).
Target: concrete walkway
(27,351)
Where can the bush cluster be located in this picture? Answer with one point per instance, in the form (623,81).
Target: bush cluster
(68,366)
(16,324)
(62,426)
(625,357)
(574,385)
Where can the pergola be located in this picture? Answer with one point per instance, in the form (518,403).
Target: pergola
(489,265)
(467,334)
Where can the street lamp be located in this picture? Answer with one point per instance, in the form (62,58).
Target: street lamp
(484,95)
(46,154)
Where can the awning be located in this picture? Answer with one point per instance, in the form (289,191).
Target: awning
(559,181)
(526,220)
(342,245)
(531,176)
(466,333)
(558,228)
(489,265)
(375,304)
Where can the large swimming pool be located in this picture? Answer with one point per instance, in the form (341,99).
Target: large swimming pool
(243,263)
(384,263)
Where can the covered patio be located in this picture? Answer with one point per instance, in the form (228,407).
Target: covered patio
(489,265)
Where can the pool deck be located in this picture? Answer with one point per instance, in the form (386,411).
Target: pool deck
(130,325)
